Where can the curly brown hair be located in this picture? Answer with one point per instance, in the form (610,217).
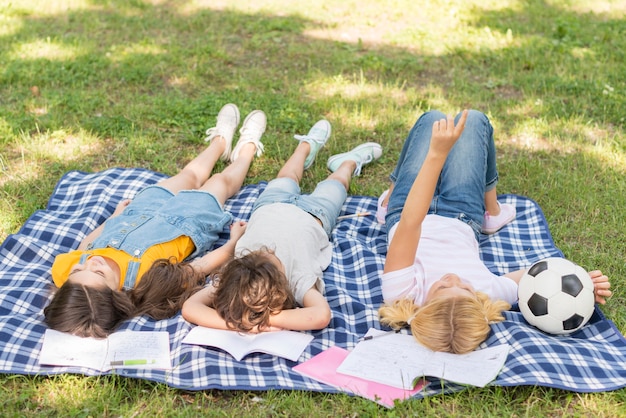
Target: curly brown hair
(249,290)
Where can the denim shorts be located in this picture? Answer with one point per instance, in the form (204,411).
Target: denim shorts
(196,213)
(324,203)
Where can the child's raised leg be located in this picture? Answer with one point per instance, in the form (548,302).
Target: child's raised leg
(348,164)
(198,170)
(294,166)
(306,151)
(225,184)
(327,199)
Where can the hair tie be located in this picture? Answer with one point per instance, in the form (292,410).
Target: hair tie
(410,319)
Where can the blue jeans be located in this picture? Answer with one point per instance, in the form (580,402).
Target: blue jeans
(469,171)
(324,203)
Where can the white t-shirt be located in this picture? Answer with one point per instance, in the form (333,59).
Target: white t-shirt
(447,245)
(299,242)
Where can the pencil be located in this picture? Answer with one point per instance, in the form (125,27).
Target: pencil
(354,215)
(371,337)
(136,362)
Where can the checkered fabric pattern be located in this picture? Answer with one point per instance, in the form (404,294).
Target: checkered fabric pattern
(593,359)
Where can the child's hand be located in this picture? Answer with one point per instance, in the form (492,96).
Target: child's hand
(121,206)
(601,286)
(237,229)
(445,134)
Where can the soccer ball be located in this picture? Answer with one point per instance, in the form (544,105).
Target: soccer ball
(556,296)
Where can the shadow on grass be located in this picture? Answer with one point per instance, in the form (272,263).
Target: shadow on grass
(182,64)
(125,71)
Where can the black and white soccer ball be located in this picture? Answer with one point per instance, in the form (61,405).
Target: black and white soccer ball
(556,296)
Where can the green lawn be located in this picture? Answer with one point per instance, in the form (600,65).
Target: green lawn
(92,84)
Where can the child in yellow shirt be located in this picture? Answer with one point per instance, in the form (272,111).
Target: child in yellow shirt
(150,255)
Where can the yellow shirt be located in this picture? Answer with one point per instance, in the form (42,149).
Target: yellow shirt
(179,248)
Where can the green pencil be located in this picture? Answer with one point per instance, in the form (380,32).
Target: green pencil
(135,362)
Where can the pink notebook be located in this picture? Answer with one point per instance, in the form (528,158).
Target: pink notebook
(323,368)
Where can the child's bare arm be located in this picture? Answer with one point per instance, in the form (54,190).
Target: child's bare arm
(402,248)
(314,315)
(213,260)
(197,310)
(516,275)
(601,284)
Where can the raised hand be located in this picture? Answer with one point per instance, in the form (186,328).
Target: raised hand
(445,133)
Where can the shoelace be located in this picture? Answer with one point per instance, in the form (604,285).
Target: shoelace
(313,137)
(362,161)
(488,215)
(248,135)
(211,133)
(217,131)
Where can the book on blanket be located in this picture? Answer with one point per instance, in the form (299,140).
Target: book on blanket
(286,344)
(124,349)
(398,360)
(323,368)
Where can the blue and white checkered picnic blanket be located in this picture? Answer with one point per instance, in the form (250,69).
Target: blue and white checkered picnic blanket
(593,359)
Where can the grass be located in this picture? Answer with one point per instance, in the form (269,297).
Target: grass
(91,84)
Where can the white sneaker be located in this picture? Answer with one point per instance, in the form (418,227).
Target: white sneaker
(492,224)
(362,154)
(317,137)
(227,121)
(251,131)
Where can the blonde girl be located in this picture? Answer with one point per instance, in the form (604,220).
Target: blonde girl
(443,195)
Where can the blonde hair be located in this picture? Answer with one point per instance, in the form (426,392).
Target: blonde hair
(455,325)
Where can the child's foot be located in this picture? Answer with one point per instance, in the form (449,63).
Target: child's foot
(362,154)
(251,131)
(227,121)
(492,224)
(317,137)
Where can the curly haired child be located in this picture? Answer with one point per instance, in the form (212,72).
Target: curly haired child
(275,280)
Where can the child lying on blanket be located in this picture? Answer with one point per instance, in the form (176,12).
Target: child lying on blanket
(434,279)
(280,259)
(134,264)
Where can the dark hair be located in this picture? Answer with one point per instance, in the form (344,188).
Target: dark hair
(164,287)
(87,311)
(249,290)
(90,311)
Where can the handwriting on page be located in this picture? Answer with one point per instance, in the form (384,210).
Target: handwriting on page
(388,359)
(138,346)
(397,359)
